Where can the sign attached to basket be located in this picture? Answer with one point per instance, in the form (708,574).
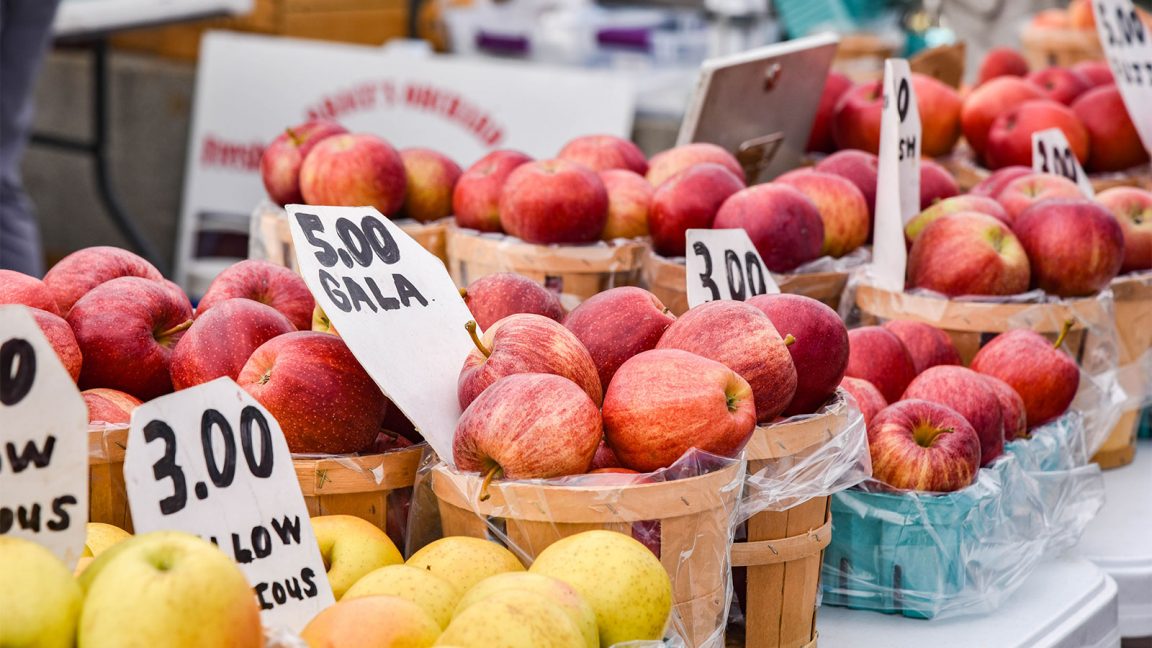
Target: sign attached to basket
(395,306)
(723,264)
(898,183)
(211,461)
(1051,153)
(43,441)
(1128,46)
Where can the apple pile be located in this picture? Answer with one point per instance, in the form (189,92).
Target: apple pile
(933,423)
(1078,15)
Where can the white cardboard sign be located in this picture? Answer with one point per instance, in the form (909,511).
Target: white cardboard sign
(395,306)
(723,264)
(898,184)
(210,460)
(1128,47)
(1051,153)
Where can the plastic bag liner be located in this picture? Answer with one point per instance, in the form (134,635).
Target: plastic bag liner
(685,514)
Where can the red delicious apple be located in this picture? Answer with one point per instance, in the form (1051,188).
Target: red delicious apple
(280,164)
(927,345)
(1076,246)
(1095,72)
(604,152)
(820,139)
(968,253)
(1060,83)
(954,205)
(1132,208)
(431,179)
(966,392)
(663,166)
(858,167)
(1116,143)
(997,181)
(528,426)
(936,184)
(126,329)
(867,397)
(554,201)
(820,349)
(629,201)
(1010,139)
(476,199)
(688,200)
(856,121)
(1001,62)
(989,101)
(354,170)
(63,341)
(316,389)
(267,283)
(617,324)
(1011,408)
(744,339)
(493,297)
(220,341)
(878,356)
(783,223)
(83,270)
(841,207)
(1044,377)
(1029,189)
(924,446)
(19,288)
(109,406)
(664,402)
(526,343)
(605,460)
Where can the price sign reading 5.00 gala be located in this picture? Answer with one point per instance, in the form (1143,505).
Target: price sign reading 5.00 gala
(43,441)
(211,461)
(394,305)
(1128,46)
(723,264)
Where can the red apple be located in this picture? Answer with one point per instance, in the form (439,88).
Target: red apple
(476,199)
(83,270)
(526,343)
(604,152)
(783,224)
(1029,189)
(1076,246)
(109,406)
(858,167)
(997,181)
(528,426)
(1011,408)
(687,201)
(954,205)
(1116,144)
(431,178)
(1010,139)
(664,402)
(940,107)
(267,283)
(1001,62)
(354,170)
(280,164)
(841,206)
(617,324)
(744,339)
(989,101)
(605,460)
(1060,83)
(316,389)
(493,297)
(878,356)
(63,341)
(924,446)
(867,397)
(672,162)
(936,184)
(1132,208)
(968,253)
(966,392)
(1080,15)
(629,201)
(856,122)
(220,341)
(1096,72)
(820,139)
(820,349)
(1045,377)
(554,201)
(927,345)
(19,288)
(126,329)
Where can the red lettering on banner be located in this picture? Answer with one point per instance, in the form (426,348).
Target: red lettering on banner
(215,152)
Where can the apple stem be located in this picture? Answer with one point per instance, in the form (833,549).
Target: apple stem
(789,340)
(183,326)
(488,477)
(471,326)
(1063,333)
(464,294)
(294,137)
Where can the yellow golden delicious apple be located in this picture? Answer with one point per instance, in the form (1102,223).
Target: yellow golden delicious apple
(39,600)
(557,591)
(465,561)
(371,622)
(512,619)
(619,577)
(167,588)
(435,595)
(352,547)
(100,536)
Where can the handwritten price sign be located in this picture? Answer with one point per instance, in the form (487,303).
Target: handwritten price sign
(1051,153)
(898,184)
(723,264)
(1129,50)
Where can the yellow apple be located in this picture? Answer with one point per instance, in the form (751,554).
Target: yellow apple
(100,536)
(512,619)
(557,591)
(167,588)
(352,547)
(372,622)
(619,577)
(39,600)
(465,561)
(435,595)
(82,564)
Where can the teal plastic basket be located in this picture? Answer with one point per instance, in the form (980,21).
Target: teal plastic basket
(1145,431)
(804,17)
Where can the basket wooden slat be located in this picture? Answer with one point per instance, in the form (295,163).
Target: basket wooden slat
(107,494)
(356,485)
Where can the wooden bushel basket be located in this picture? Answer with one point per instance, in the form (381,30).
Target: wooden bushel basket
(694,516)
(107,495)
(356,485)
(963,166)
(1046,47)
(579,271)
(1132,297)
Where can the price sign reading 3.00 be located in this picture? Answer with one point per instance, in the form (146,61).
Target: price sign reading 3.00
(723,264)
(1051,153)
